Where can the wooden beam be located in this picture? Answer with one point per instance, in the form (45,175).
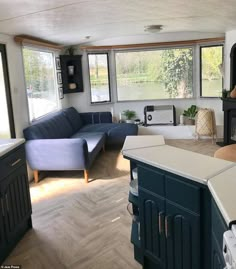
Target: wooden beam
(30,40)
(158,44)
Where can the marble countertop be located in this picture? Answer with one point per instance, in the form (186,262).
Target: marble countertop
(7,145)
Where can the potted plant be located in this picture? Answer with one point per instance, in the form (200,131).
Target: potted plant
(129,115)
(190,114)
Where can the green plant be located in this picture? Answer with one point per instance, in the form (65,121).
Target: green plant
(70,51)
(190,112)
(129,114)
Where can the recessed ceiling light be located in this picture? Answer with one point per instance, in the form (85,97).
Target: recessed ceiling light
(155,28)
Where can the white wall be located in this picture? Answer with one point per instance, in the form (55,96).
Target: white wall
(82,100)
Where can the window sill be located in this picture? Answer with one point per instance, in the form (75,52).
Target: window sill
(101,103)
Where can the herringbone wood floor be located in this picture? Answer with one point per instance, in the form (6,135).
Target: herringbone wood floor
(82,226)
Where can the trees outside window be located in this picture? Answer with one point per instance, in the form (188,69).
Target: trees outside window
(211,80)
(155,74)
(99,77)
(40,82)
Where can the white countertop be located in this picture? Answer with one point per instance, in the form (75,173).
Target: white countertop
(223,188)
(219,175)
(185,163)
(7,145)
(142,141)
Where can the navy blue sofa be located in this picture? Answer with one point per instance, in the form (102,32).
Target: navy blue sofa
(69,140)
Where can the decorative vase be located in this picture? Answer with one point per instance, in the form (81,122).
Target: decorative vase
(189,121)
(233,92)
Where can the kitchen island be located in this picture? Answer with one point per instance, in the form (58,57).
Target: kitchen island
(181,218)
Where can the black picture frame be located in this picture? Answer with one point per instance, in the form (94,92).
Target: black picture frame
(58,63)
(59,78)
(60,92)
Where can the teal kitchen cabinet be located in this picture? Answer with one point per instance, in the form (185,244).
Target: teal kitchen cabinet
(218,228)
(15,203)
(172,209)
(152,228)
(183,238)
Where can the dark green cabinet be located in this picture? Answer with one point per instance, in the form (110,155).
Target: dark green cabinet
(181,226)
(17,201)
(170,219)
(15,204)
(2,235)
(216,255)
(218,228)
(152,227)
(183,238)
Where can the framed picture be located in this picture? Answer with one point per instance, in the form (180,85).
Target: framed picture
(58,63)
(59,78)
(60,92)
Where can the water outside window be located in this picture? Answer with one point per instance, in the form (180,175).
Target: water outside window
(40,82)
(99,78)
(4,118)
(154,74)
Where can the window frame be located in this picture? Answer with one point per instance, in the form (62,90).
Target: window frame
(54,56)
(3,50)
(200,66)
(190,46)
(108,75)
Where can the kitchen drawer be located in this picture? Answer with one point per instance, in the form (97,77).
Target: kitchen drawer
(151,180)
(183,194)
(11,161)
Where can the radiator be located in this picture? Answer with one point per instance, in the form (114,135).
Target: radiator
(159,115)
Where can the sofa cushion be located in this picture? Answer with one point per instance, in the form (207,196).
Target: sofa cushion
(96,117)
(74,118)
(116,132)
(95,141)
(54,125)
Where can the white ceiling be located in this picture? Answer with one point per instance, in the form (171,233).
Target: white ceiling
(70,21)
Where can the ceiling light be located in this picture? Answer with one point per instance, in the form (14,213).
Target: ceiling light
(153,28)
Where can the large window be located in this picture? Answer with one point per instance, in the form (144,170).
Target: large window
(211,71)
(99,78)
(155,74)
(40,82)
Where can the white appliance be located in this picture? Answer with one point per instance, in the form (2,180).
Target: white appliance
(159,115)
(229,248)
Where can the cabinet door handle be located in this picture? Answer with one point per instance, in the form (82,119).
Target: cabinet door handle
(6,197)
(160,218)
(16,162)
(3,213)
(167,226)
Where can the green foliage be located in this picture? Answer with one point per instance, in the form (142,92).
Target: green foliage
(177,72)
(38,70)
(190,112)
(129,114)
(211,62)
